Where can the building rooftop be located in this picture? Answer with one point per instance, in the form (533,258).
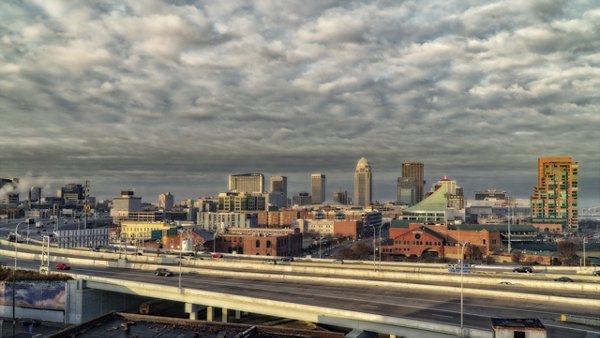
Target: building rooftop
(493,227)
(133,325)
(437,201)
(517,323)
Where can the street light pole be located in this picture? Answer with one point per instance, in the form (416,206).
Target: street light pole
(320,239)
(584,238)
(374,246)
(215,240)
(14,281)
(462,268)
(380,239)
(180,255)
(509,219)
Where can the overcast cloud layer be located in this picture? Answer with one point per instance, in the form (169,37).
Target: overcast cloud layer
(175,96)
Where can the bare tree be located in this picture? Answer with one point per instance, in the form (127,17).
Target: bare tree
(362,250)
(473,252)
(567,252)
(489,259)
(346,253)
(516,256)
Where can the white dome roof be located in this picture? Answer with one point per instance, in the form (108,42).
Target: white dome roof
(363,163)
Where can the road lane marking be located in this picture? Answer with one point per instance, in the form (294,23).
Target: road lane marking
(445,316)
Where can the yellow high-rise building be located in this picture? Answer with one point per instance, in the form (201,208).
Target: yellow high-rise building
(554,198)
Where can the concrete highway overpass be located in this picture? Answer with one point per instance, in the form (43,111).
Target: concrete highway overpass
(360,299)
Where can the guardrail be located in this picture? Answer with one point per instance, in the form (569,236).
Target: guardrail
(415,274)
(592,303)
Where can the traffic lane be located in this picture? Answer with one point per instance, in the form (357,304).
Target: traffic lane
(358,295)
(423,306)
(513,286)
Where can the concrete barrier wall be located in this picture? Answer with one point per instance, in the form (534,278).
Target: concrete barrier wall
(317,314)
(417,274)
(588,288)
(336,281)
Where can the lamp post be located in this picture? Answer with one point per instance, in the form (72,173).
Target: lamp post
(511,211)
(584,239)
(462,268)
(374,246)
(320,239)
(180,255)
(14,280)
(380,239)
(215,240)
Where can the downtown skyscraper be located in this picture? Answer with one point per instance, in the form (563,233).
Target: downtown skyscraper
(363,183)
(317,188)
(278,185)
(248,183)
(417,171)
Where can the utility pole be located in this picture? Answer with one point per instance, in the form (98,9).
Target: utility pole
(86,204)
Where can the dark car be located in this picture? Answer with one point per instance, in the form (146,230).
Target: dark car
(596,273)
(163,272)
(62,266)
(523,269)
(31,322)
(563,279)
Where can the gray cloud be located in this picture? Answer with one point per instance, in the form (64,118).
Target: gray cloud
(175,95)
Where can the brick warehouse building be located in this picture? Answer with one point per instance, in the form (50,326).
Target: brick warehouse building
(261,241)
(413,239)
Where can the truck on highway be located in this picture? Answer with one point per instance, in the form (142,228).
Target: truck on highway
(29,220)
(39,224)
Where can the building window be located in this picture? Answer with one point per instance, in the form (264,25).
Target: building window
(258,243)
(268,244)
(519,334)
(484,241)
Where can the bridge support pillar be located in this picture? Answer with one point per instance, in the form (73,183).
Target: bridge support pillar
(210,312)
(224,313)
(361,334)
(192,309)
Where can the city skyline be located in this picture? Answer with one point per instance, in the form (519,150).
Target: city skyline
(162,97)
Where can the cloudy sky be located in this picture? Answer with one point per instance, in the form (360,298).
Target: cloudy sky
(175,96)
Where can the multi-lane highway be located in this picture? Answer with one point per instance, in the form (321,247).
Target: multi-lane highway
(427,306)
(406,302)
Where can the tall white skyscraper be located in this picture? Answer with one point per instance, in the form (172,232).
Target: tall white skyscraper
(317,188)
(363,183)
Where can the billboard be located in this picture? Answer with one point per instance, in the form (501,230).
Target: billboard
(43,295)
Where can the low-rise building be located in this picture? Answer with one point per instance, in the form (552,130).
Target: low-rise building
(415,239)
(277,219)
(518,327)
(261,241)
(334,228)
(217,220)
(141,230)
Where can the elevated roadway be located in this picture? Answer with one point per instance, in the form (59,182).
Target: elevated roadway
(342,294)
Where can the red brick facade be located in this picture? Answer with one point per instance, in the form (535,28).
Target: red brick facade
(349,229)
(265,242)
(277,219)
(419,239)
